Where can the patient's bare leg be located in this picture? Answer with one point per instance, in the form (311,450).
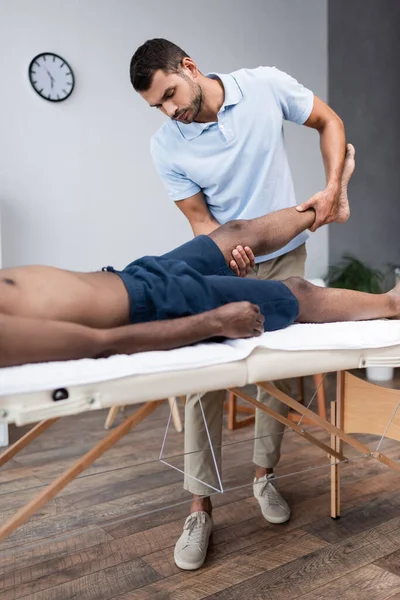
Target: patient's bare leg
(263,235)
(273,231)
(325,305)
(92,299)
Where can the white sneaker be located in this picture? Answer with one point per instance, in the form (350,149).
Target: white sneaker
(273,507)
(191,548)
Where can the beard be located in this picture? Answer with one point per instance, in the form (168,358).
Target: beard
(196,102)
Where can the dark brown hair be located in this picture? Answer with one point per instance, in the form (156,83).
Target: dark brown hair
(150,57)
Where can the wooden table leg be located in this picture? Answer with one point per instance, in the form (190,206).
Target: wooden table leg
(25,440)
(232,401)
(321,398)
(111,416)
(176,417)
(83,463)
(337,444)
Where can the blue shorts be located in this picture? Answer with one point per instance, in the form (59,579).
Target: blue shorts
(194,278)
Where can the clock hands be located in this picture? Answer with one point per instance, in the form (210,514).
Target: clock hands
(51,77)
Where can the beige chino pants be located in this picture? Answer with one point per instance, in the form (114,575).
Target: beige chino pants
(199,462)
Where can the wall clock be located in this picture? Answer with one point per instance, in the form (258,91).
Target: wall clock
(51,77)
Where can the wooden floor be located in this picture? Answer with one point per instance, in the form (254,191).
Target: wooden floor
(111,533)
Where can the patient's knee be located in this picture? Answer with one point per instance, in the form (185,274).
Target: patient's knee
(229,235)
(297,285)
(235,226)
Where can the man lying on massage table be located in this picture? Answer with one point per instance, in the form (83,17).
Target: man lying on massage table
(50,314)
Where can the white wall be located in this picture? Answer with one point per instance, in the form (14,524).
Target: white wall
(77,186)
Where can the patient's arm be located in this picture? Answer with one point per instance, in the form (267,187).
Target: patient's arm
(24,340)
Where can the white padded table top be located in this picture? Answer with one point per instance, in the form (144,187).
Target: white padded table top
(296,338)
(27,392)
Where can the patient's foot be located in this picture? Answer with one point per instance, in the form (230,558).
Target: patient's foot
(348,169)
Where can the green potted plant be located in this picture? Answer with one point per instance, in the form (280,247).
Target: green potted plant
(352,274)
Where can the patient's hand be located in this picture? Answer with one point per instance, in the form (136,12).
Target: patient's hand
(242,261)
(240,320)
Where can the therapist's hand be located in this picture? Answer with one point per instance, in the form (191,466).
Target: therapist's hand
(326,206)
(242,261)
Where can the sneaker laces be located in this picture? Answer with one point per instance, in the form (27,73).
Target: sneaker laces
(193,526)
(269,490)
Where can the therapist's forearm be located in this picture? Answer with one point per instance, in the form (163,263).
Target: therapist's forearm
(204,227)
(333,149)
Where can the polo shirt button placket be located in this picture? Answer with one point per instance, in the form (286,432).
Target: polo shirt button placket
(229,135)
(226,132)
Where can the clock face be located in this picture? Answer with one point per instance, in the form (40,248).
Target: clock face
(51,77)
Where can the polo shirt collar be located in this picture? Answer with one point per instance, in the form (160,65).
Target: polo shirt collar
(233,95)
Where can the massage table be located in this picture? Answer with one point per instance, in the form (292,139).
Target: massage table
(42,393)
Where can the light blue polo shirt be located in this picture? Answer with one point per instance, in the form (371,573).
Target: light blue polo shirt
(240,162)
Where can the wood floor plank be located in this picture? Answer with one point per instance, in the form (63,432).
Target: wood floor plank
(116,511)
(218,500)
(102,585)
(140,595)
(48,467)
(225,539)
(11,486)
(391,563)
(356,519)
(118,483)
(241,566)
(63,570)
(58,570)
(11,464)
(288,581)
(180,511)
(301,576)
(54,444)
(23,556)
(367,583)
(11,502)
